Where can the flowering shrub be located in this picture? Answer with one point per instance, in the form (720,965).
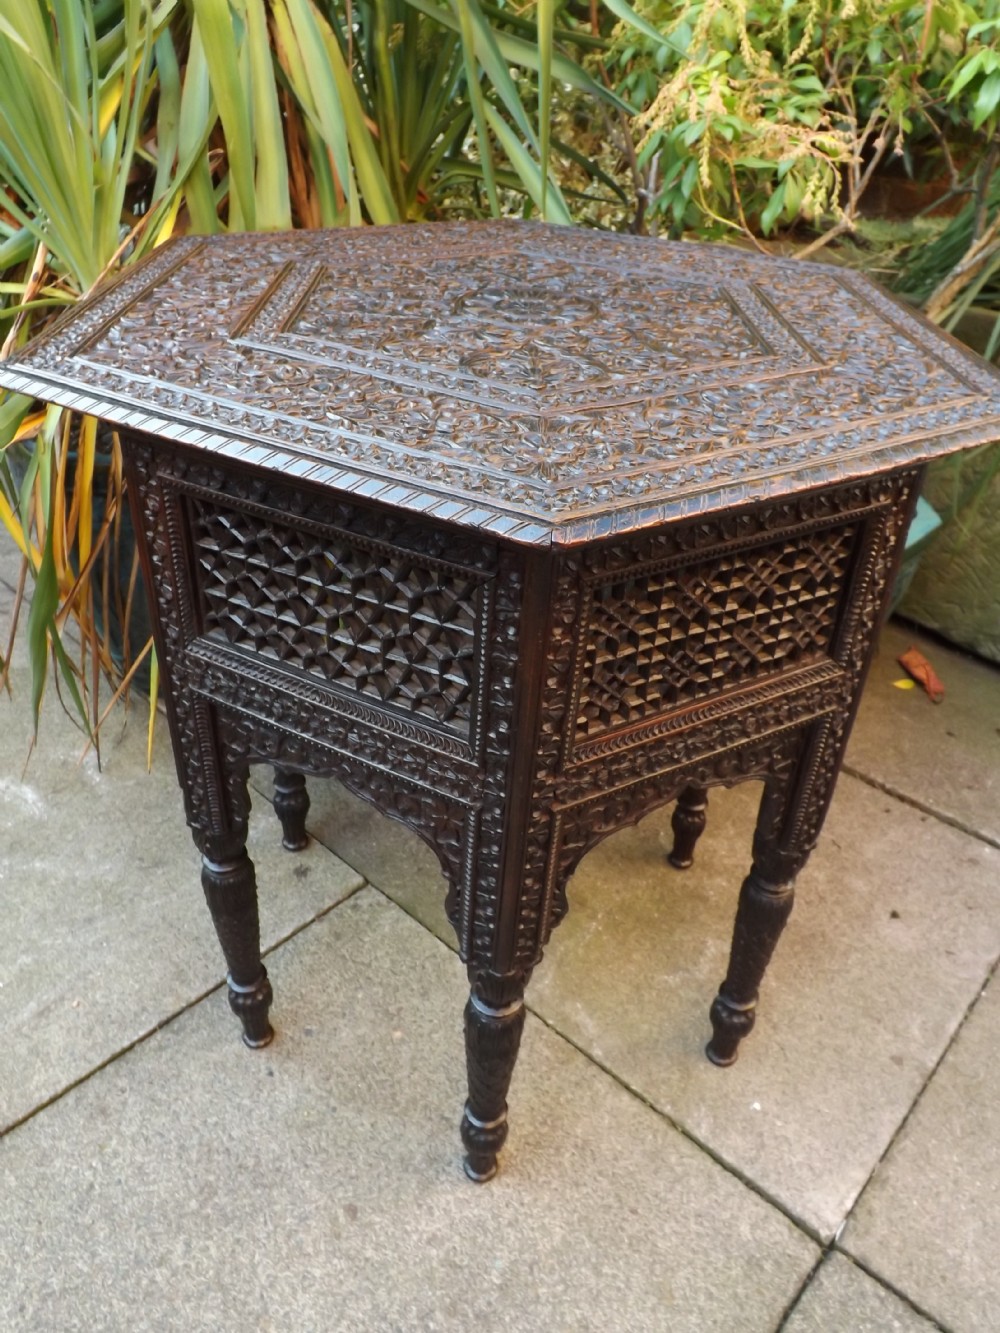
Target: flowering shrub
(760,114)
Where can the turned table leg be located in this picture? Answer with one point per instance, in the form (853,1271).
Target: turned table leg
(213,773)
(792,811)
(291,805)
(230,886)
(688,824)
(494,1020)
(760,918)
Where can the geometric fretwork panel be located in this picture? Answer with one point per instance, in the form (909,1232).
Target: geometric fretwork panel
(368,618)
(661,640)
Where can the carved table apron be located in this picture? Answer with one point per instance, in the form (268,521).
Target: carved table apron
(447,513)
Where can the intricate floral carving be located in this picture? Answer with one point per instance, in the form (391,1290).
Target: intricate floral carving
(450,789)
(792,815)
(213,778)
(458,371)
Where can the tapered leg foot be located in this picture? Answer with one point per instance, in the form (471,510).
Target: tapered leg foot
(231,892)
(760,918)
(291,804)
(250,1004)
(494,1020)
(730,1024)
(688,824)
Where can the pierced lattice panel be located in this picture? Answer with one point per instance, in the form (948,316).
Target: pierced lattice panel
(391,625)
(659,640)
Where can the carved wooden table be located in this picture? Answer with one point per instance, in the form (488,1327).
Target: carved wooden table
(519,532)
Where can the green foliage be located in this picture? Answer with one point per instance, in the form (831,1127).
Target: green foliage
(976,77)
(763,114)
(79,81)
(68,128)
(339,112)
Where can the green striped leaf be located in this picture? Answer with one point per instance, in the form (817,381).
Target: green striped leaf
(545,13)
(222,52)
(271,180)
(528,169)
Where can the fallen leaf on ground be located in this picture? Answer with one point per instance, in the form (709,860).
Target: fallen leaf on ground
(916,664)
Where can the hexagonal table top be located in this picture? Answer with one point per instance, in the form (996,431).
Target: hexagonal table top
(538,382)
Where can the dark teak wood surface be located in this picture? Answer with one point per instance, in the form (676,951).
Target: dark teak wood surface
(519,532)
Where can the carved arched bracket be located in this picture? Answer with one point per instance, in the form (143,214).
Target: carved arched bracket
(445,824)
(578,829)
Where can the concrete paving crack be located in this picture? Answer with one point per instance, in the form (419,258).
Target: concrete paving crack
(925,809)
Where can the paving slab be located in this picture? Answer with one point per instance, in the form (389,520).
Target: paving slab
(8,597)
(382,850)
(929,1220)
(105,928)
(896,927)
(317,1184)
(897,924)
(842,1297)
(945,756)
(10,560)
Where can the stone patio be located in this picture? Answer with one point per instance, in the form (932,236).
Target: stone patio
(843,1175)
